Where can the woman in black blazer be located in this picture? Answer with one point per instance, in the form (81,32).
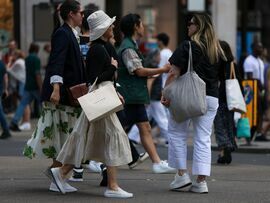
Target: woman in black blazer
(65,69)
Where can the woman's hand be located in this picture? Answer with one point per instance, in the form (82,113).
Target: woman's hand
(55,96)
(164,101)
(114,62)
(167,67)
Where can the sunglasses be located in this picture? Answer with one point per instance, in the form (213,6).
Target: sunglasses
(190,23)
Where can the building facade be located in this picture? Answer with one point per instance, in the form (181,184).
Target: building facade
(238,22)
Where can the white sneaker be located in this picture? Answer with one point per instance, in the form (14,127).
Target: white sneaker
(163,167)
(180,181)
(120,193)
(200,187)
(68,188)
(25,126)
(57,179)
(94,166)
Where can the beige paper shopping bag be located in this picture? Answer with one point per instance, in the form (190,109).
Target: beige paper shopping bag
(100,102)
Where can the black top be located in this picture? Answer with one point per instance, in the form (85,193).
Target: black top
(209,73)
(98,62)
(65,61)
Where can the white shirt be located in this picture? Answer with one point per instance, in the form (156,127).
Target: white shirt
(17,70)
(165,54)
(255,66)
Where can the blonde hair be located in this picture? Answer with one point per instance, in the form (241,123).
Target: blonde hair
(19,54)
(206,38)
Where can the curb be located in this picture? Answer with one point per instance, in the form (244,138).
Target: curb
(250,149)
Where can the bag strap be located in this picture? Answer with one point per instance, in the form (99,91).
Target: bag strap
(93,85)
(190,61)
(232,71)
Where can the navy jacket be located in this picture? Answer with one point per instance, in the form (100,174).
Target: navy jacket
(65,61)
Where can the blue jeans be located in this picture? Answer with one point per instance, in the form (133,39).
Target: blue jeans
(27,98)
(3,120)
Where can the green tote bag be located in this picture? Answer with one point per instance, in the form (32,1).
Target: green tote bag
(243,128)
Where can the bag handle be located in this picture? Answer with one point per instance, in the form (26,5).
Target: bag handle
(232,71)
(190,61)
(93,85)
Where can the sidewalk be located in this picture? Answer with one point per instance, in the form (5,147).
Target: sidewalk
(255,147)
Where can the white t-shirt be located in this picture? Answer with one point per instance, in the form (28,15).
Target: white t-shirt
(255,66)
(165,54)
(17,70)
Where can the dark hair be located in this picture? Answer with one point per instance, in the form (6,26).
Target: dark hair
(128,22)
(164,38)
(67,7)
(91,6)
(34,48)
(254,45)
(86,14)
(227,50)
(56,21)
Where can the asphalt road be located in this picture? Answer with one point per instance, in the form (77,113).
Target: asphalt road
(247,179)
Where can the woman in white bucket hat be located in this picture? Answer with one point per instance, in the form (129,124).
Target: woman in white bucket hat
(104,140)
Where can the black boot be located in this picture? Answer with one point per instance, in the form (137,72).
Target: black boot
(226,158)
(14,127)
(5,135)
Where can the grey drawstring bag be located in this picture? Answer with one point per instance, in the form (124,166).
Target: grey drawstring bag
(187,94)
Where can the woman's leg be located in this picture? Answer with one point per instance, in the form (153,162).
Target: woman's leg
(177,152)
(147,141)
(177,134)
(202,140)
(56,164)
(65,169)
(112,177)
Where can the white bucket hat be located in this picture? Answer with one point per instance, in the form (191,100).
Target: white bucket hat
(98,23)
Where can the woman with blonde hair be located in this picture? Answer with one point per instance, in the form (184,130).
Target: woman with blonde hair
(206,54)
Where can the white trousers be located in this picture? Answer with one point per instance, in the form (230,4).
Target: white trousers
(158,112)
(178,133)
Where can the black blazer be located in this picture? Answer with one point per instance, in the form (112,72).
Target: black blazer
(66,61)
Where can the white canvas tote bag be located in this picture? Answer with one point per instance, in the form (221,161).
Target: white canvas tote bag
(100,102)
(235,99)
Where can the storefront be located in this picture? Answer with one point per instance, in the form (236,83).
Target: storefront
(9,22)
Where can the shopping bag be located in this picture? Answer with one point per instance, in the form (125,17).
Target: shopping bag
(75,92)
(235,99)
(243,128)
(187,94)
(101,101)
